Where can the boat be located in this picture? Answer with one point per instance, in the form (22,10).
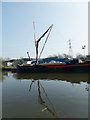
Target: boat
(68,66)
(50,68)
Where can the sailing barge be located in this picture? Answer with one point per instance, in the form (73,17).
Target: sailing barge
(69,66)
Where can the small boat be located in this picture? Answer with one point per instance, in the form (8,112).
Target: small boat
(68,66)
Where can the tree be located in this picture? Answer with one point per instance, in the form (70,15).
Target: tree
(7,59)
(54,55)
(79,55)
(64,55)
(18,61)
(60,56)
(67,56)
(1,62)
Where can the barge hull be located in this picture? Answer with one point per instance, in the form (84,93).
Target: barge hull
(77,68)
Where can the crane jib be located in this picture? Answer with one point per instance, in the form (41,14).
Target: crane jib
(44,33)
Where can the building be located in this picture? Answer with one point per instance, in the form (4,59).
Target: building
(9,63)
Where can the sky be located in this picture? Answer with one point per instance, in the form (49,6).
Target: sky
(69,19)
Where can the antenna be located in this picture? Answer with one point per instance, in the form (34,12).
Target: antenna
(70,48)
(84,47)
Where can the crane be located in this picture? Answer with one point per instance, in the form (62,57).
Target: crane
(29,57)
(37,41)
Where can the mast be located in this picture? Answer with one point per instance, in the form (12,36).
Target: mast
(36,44)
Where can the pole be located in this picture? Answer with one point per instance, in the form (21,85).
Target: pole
(83,47)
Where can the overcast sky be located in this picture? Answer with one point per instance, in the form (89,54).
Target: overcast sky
(69,19)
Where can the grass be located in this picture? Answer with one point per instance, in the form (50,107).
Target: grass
(9,67)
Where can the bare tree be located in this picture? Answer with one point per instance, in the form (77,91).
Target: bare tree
(79,55)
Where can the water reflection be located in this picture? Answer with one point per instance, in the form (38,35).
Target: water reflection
(1,77)
(55,95)
(73,78)
(42,102)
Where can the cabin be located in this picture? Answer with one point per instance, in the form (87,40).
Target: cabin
(26,60)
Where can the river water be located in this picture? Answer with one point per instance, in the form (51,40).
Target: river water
(26,95)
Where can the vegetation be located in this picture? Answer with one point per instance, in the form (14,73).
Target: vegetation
(79,55)
(15,63)
(61,56)
(66,56)
(1,62)
(18,61)
(1,65)
(8,67)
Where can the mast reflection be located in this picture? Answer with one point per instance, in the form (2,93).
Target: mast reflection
(42,102)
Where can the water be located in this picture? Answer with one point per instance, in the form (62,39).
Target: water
(44,95)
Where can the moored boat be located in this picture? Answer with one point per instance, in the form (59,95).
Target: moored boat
(68,66)
(56,67)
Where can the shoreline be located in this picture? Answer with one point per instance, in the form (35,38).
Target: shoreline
(9,69)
